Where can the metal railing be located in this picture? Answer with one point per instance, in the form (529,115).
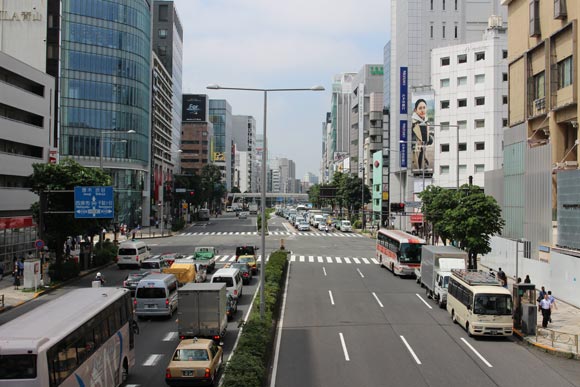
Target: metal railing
(556,339)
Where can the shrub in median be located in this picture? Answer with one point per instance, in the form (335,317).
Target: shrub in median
(64,271)
(247,366)
(177,224)
(104,253)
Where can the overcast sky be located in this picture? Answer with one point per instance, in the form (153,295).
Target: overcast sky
(280,44)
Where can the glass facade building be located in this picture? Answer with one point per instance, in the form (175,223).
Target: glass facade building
(220,115)
(105,92)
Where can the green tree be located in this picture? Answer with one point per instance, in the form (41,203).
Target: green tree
(212,186)
(436,202)
(65,176)
(314,195)
(235,190)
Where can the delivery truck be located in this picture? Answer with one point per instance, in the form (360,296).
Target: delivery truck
(436,265)
(202,311)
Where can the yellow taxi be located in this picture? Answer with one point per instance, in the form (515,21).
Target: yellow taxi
(195,362)
(250,260)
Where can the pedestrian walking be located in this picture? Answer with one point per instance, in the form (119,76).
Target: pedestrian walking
(552,302)
(16,279)
(546,308)
(21,267)
(527,280)
(502,277)
(542,294)
(491,273)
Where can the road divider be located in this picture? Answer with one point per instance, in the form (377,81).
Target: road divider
(379,301)
(411,350)
(346,357)
(424,302)
(477,353)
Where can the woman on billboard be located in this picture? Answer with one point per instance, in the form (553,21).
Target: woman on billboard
(421,135)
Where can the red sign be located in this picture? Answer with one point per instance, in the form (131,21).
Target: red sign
(53,156)
(417,218)
(17,222)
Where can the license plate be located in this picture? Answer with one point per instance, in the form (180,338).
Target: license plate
(151,306)
(187,373)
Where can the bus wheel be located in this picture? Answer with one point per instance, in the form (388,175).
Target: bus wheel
(393,269)
(125,371)
(453,316)
(427,292)
(467,329)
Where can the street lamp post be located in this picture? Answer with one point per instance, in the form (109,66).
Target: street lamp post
(103,132)
(264,174)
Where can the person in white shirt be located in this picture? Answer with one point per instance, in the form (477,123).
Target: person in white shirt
(546,309)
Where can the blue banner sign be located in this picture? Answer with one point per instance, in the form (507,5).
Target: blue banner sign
(94,203)
(403,143)
(403,90)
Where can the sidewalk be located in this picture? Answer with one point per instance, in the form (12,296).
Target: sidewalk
(562,335)
(148,232)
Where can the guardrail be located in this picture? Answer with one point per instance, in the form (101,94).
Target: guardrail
(556,339)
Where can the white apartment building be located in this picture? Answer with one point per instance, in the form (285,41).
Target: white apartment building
(471,100)
(242,178)
(244,138)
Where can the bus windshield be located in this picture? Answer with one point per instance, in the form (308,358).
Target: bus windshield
(493,304)
(18,366)
(410,253)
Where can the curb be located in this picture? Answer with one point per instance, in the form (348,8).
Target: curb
(546,348)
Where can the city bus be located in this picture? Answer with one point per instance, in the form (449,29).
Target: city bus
(83,338)
(399,251)
(476,301)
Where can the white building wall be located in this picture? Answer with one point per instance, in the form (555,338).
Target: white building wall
(483,78)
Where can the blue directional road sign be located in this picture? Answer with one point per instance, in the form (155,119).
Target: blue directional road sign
(94,202)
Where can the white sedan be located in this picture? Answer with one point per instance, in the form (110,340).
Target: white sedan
(303,226)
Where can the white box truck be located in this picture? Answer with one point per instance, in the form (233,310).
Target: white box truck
(202,311)
(253,208)
(436,265)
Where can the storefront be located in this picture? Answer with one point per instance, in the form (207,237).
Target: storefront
(17,236)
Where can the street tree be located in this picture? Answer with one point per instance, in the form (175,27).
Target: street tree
(314,195)
(66,175)
(212,186)
(436,202)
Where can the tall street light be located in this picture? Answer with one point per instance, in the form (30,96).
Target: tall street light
(103,132)
(264,174)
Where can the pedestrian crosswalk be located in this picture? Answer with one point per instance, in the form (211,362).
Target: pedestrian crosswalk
(328,259)
(276,233)
(219,258)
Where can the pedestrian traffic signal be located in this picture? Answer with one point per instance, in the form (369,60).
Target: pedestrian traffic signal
(191,193)
(397,207)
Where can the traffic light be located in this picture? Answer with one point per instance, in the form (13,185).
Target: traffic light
(191,194)
(397,207)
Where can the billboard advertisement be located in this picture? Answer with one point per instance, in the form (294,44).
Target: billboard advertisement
(194,108)
(404,73)
(422,133)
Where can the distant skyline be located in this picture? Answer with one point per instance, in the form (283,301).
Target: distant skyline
(270,44)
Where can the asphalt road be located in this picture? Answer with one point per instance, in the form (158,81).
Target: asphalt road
(311,352)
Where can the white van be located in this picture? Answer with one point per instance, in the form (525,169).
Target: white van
(233,280)
(132,253)
(156,295)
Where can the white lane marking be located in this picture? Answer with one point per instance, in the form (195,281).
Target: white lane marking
(182,234)
(379,301)
(310,258)
(356,260)
(213,233)
(219,233)
(230,233)
(170,336)
(237,233)
(324,270)
(302,258)
(411,350)
(424,302)
(155,256)
(292,258)
(320,259)
(366,261)
(132,385)
(280,327)
(346,357)
(329,259)
(232,259)
(189,257)
(346,260)
(338,260)
(375,261)
(477,353)
(361,274)
(152,360)
(331,298)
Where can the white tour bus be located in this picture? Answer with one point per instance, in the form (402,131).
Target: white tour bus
(83,338)
(476,301)
(399,251)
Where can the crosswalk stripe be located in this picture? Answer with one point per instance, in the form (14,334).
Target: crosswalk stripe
(189,233)
(302,258)
(213,233)
(365,261)
(375,261)
(338,260)
(356,260)
(189,257)
(155,256)
(319,259)
(293,258)
(346,260)
(170,336)
(232,259)
(329,259)
(152,360)
(310,258)
(182,234)
(237,233)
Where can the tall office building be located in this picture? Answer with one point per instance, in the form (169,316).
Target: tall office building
(197,134)
(101,53)
(417,27)
(168,45)
(244,137)
(220,115)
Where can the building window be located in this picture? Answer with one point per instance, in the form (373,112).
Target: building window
(565,73)
(443,32)
(539,86)
(445,104)
(479,78)
(164,12)
(431,5)
(534,17)
(462,168)
(444,5)
(445,61)
(462,124)
(462,146)
(444,148)
(462,58)
(479,124)
(445,82)
(444,126)
(204,133)
(444,170)
(162,33)
(461,81)
(480,56)
(479,101)
(162,50)
(431,32)
(479,146)
(456,5)
(504,99)
(504,77)
(504,54)
(462,102)
(560,11)
(479,168)
(504,122)
(456,32)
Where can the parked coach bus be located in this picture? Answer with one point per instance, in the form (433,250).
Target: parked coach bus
(476,301)
(399,251)
(83,338)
